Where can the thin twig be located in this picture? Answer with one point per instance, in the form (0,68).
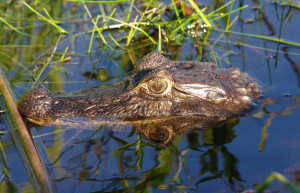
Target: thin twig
(23,136)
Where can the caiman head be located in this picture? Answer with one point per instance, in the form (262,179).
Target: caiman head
(165,88)
(157,89)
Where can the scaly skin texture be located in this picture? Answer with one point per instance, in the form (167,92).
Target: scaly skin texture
(158,88)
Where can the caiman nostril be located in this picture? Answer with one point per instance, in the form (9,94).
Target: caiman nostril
(235,71)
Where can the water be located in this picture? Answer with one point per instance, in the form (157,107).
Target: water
(232,158)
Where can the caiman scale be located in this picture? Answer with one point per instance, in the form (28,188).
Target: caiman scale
(157,89)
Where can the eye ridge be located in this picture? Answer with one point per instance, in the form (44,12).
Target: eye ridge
(157,86)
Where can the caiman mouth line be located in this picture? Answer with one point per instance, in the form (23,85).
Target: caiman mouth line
(202,92)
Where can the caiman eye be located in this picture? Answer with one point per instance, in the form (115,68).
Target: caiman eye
(157,86)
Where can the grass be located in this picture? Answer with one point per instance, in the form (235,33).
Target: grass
(134,28)
(12,27)
(48,20)
(289,3)
(277,176)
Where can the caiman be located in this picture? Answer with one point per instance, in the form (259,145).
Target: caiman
(157,89)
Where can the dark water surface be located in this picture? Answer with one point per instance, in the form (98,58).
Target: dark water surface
(232,158)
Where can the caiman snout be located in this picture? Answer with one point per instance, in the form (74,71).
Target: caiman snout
(37,103)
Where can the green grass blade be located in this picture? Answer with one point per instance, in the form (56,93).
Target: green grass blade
(95,25)
(61,30)
(291,4)
(281,178)
(253,46)
(47,63)
(159,38)
(134,29)
(265,38)
(228,20)
(116,42)
(175,9)
(108,1)
(224,15)
(92,36)
(177,13)
(182,24)
(12,27)
(132,25)
(62,62)
(220,8)
(5,55)
(129,12)
(200,12)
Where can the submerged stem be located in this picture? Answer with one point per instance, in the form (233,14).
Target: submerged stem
(23,136)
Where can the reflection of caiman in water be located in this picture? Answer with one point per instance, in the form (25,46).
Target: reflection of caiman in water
(192,94)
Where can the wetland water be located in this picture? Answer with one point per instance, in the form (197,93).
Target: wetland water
(114,158)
